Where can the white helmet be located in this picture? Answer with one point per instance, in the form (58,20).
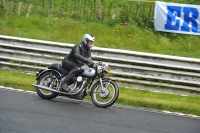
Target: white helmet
(88,37)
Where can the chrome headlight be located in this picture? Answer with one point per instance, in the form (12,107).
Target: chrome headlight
(107,68)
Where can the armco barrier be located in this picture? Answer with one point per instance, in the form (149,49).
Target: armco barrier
(155,72)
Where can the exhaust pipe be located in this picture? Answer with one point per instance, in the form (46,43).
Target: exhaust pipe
(56,91)
(46,88)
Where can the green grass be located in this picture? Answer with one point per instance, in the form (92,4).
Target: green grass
(161,101)
(127,96)
(120,36)
(17,80)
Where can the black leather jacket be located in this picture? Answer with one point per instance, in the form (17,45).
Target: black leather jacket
(79,54)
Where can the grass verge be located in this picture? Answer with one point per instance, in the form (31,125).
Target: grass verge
(129,36)
(127,96)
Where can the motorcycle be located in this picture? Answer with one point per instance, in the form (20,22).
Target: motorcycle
(91,81)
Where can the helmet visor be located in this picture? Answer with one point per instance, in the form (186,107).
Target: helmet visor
(90,44)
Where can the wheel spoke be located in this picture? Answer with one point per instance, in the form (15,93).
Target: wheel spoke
(106,96)
(46,82)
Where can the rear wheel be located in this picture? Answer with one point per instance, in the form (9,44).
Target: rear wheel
(48,79)
(106,97)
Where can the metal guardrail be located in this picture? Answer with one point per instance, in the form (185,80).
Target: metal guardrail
(155,72)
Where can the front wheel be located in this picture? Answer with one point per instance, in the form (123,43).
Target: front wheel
(107,96)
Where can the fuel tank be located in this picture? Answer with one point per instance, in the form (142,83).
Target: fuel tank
(89,72)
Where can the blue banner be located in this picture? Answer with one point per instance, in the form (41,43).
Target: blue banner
(178,18)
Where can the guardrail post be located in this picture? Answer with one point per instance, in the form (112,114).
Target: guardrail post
(49,8)
(4,4)
(99,8)
(29,9)
(19,8)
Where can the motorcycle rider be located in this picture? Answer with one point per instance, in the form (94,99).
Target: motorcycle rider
(78,56)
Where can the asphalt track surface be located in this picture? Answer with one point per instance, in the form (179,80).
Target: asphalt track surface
(25,112)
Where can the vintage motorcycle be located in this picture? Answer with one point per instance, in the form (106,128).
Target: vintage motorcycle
(104,92)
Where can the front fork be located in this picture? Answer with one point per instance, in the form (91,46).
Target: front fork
(101,83)
(103,89)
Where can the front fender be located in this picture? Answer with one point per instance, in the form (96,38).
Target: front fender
(48,70)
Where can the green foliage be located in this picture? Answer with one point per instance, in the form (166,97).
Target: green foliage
(161,101)
(17,80)
(112,22)
(140,13)
(114,34)
(184,1)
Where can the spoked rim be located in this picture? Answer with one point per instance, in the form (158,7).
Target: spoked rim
(106,96)
(46,82)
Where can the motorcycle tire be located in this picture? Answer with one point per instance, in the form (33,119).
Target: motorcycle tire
(97,96)
(48,95)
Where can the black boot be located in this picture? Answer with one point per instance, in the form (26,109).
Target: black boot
(69,78)
(64,84)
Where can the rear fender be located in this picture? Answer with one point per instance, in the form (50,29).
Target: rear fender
(47,70)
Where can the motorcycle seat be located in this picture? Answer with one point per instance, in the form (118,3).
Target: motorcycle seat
(59,68)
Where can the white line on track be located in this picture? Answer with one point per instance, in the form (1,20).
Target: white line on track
(116,105)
